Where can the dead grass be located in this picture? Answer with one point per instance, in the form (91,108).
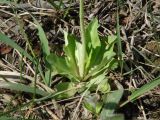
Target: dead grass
(140,27)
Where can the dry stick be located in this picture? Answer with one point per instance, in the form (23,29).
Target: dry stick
(74,114)
(24,60)
(51,114)
(140,102)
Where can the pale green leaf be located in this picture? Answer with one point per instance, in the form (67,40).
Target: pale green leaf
(48,77)
(65,86)
(69,49)
(105,56)
(104,86)
(110,41)
(94,58)
(78,54)
(89,106)
(111,101)
(99,106)
(95,81)
(93,45)
(60,66)
(92,104)
(92,37)
(106,63)
(58,63)
(115,117)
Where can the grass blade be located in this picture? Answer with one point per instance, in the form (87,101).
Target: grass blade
(45,49)
(43,38)
(6,1)
(22,88)
(145,88)
(10,42)
(119,44)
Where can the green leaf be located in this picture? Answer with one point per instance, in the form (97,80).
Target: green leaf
(10,42)
(114,65)
(104,86)
(93,45)
(93,60)
(43,38)
(95,81)
(60,66)
(69,48)
(65,86)
(6,1)
(56,4)
(106,55)
(92,37)
(22,88)
(79,54)
(98,107)
(110,64)
(101,68)
(92,104)
(110,41)
(111,101)
(48,77)
(115,117)
(58,63)
(100,83)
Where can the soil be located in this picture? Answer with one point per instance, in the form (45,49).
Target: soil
(140,35)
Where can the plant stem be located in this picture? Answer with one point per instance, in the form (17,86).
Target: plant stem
(119,44)
(83,40)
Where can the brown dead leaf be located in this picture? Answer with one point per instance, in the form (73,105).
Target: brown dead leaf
(4,49)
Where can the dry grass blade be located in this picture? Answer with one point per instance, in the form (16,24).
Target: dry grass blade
(15,77)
